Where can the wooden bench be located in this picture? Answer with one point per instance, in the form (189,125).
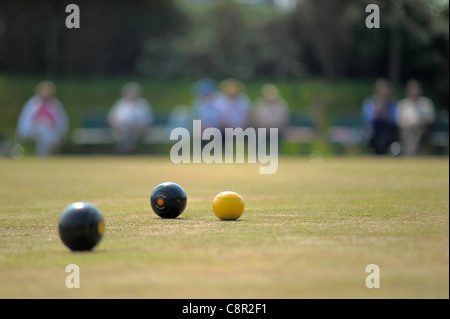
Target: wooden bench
(346,134)
(157,134)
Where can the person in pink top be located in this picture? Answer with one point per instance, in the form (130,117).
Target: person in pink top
(43,120)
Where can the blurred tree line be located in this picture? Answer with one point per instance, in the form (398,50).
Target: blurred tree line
(169,38)
(34,37)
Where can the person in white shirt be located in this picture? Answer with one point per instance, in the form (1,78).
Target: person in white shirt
(270,110)
(415,115)
(43,120)
(234,105)
(130,118)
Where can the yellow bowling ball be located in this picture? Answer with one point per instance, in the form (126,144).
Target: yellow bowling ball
(228,206)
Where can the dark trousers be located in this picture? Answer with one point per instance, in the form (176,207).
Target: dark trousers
(383,135)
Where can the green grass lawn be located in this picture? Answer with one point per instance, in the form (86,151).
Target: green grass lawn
(308,231)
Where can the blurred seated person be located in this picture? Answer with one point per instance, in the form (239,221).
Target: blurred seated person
(234,105)
(270,111)
(130,117)
(206,103)
(180,116)
(43,120)
(379,115)
(415,115)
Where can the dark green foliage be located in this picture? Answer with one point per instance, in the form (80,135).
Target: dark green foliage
(35,39)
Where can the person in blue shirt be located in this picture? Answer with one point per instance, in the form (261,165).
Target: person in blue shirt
(379,116)
(206,103)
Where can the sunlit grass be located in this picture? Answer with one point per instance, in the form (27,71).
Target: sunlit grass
(308,231)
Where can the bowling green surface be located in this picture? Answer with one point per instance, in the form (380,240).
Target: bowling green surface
(308,231)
